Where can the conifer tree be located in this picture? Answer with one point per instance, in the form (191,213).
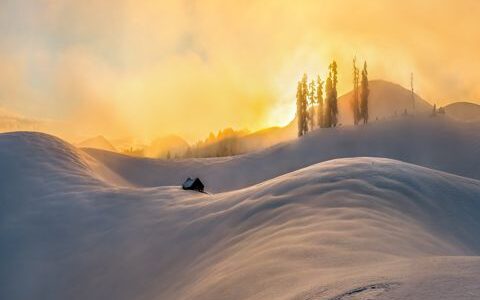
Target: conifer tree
(320,114)
(333,107)
(299,109)
(302,116)
(364,94)
(305,103)
(354,102)
(312,100)
(327,117)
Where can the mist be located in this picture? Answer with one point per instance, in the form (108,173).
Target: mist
(145,69)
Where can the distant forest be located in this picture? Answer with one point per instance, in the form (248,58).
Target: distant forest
(225,143)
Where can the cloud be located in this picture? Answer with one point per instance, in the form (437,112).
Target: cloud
(148,68)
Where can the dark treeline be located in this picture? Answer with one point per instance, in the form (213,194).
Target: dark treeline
(317,107)
(225,143)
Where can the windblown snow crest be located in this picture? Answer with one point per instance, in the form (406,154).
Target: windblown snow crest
(352,228)
(34,155)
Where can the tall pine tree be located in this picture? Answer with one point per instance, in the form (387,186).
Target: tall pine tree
(354,102)
(305,103)
(333,107)
(312,100)
(320,113)
(299,109)
(302,117)
(327,117)
(364,94)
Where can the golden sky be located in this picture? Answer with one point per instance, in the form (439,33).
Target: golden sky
(149,68)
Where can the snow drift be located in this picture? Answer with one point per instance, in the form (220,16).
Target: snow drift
(352,228)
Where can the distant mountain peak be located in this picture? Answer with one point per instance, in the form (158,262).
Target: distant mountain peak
(463,111)
(97,142)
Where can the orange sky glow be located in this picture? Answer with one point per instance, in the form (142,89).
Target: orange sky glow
(150,68)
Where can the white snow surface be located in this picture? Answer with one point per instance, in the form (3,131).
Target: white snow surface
(436,143)
(290,222)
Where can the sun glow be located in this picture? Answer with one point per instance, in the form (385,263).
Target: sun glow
(146,69)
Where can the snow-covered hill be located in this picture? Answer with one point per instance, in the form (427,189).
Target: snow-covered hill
(77,226)
(386,100)
(463,111)
(98,142)
(431,142)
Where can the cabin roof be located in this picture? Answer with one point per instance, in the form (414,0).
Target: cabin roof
(189,183)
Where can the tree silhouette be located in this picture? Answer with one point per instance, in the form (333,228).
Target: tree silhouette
(332,95)
(312,99)
(364,94)
(302,91)
(320,114)
(328,96)
(305,103)
(354,102)
(299,109)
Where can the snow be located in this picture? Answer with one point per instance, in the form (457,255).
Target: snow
(386,100)
(98,142)
(436,143)
(290,222)
(463,111)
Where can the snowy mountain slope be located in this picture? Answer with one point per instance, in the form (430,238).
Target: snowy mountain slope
(432,142)
(386,100)
(463,111)
(98,142)
(357,228)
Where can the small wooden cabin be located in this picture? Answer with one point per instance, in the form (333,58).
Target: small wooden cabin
(193,184)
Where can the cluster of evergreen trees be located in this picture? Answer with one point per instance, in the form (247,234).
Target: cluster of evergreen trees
(227,142)
(360,106)
(310,97)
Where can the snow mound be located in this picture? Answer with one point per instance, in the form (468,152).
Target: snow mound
(35,156)
(356,228)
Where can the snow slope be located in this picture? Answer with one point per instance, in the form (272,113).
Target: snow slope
(432,142)
(98,142)
(386,100)
(351,228)
(463,111)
